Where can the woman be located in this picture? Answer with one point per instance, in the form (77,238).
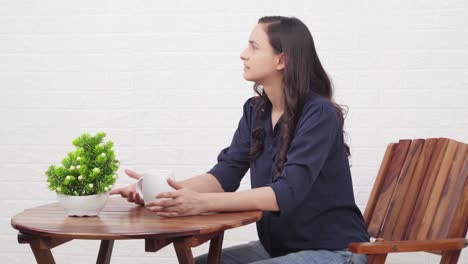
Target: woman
(291,138)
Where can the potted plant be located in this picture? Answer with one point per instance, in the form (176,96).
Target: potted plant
(86,176)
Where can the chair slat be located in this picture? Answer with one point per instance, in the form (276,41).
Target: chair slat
(378,182)
(395,212)
(436,192)
(426,188)
(450,196)
(420,194)
(459,223)
(388,187)
(403,199)
(404,225)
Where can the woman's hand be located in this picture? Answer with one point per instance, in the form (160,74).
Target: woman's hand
(182,202)
(129,191)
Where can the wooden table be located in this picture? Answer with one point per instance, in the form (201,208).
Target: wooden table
(47,226)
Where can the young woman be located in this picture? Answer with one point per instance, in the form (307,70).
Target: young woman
(291,138)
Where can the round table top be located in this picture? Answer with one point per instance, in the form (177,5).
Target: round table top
(120,219)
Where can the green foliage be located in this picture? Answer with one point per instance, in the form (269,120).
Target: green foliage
(90,169)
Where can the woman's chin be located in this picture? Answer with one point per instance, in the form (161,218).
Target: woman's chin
(248,78)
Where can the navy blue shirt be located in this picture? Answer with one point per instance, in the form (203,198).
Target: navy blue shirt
(314,191)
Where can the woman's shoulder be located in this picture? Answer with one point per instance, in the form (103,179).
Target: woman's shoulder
(251,104)
(315,102)
(312,103)
(249,109)
(253,101)
(318,109)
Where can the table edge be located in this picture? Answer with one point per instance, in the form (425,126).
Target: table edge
(123,236)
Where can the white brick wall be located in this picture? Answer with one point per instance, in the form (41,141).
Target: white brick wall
(157,77)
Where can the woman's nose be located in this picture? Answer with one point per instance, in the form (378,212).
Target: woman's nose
(243,56)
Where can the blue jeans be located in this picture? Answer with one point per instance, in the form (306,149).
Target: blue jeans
(253,252)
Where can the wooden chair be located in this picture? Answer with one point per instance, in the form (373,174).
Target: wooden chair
(419,201)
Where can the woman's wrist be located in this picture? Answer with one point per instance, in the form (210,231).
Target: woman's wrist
(209,202)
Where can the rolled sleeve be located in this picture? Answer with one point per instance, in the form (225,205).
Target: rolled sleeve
(233,161)
(314,138)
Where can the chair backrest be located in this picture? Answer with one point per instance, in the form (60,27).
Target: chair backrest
(421,191)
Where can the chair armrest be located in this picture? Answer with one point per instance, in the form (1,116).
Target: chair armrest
(407,246)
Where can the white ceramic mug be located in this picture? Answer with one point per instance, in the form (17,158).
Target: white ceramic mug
(154,182)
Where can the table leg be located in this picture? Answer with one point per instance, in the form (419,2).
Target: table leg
(41,246)
(155,244)
(105,252)
(183,251)
(216,244)
(183,247)
(43,256)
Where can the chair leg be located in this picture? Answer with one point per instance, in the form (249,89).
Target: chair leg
(216,244)
(450,257)
(376,259)
(105,252)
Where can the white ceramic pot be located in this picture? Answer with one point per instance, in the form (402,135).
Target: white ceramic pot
(88,205)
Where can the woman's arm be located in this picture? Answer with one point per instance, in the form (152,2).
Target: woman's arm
(203,183)
(189,202)
(262,198)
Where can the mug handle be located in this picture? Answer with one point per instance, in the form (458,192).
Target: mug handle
(139,187)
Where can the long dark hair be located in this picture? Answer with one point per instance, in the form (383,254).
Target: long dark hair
(303,73)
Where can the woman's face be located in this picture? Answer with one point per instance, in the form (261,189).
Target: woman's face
(260,61)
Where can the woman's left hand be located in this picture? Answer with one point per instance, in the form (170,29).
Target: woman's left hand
(183,202)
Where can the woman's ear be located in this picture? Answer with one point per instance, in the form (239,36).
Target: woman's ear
(281,61)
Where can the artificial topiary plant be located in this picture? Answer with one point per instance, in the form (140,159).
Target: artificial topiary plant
(90,169)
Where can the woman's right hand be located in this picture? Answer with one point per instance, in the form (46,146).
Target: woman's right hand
(129,191)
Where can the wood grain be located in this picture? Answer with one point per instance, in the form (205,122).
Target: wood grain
(378,183)
(122,220)
(407,246)
(425,192)
(419,201)
(403,224)
(450,197)
(388,188)
(398,200)
(437,190)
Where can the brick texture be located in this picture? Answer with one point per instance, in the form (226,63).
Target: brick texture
(164,80)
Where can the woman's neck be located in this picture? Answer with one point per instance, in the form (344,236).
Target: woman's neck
(274,92)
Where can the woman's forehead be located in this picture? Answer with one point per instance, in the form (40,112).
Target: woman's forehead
(258,35)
